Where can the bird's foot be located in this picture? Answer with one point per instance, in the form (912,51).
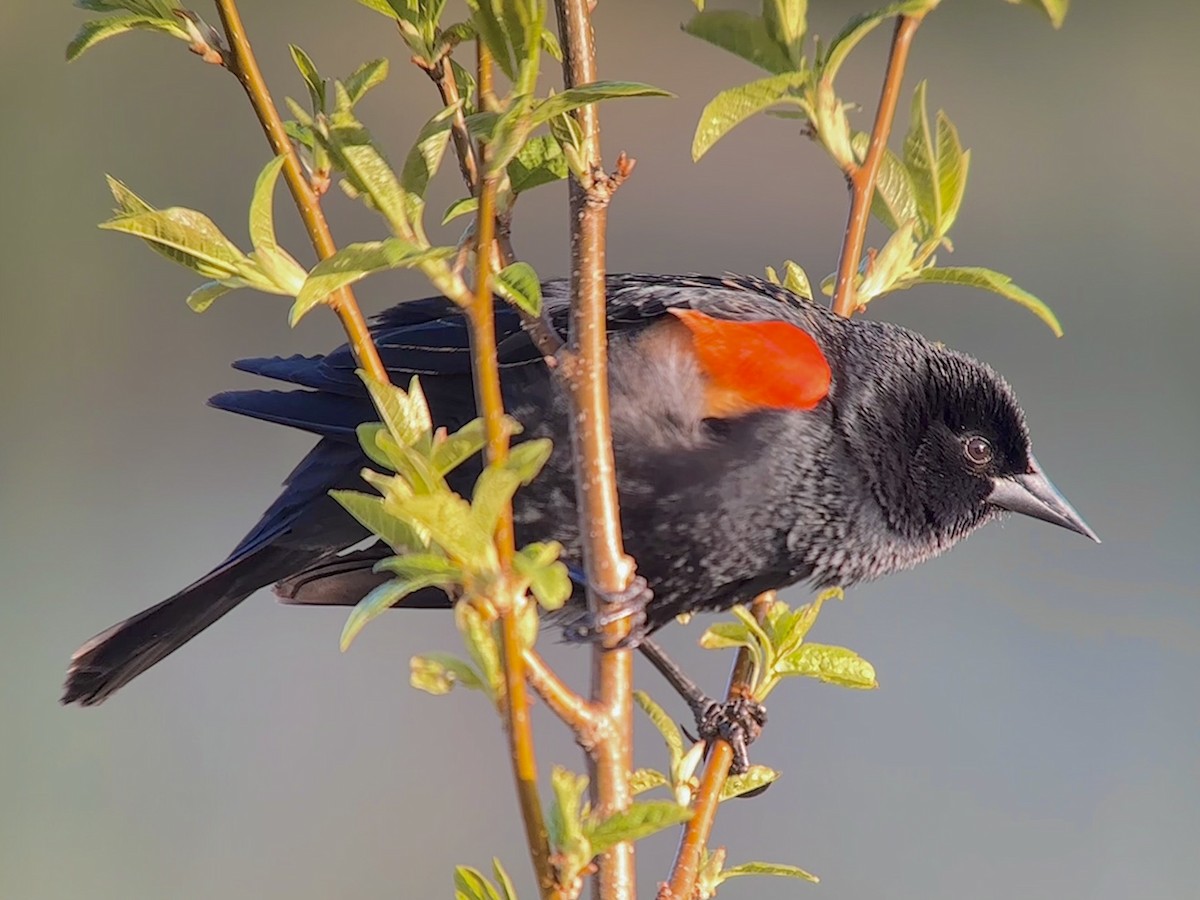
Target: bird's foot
(738,722)
(629,604)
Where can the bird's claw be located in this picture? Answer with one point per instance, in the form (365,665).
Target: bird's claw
(629,603)
(738,721)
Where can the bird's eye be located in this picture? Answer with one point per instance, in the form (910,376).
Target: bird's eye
(978,450)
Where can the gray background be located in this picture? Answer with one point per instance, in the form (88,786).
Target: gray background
(1035,733)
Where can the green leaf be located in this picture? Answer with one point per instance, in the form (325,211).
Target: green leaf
(424,159)
(664,723)
(202,297)
(762,868)
(312,78)
(448,519)
(470,884)
(1055,10)
(519,284)
(795,279)
(356,261)
(507,889)
(892,262)
(921,160)
(549,580)
(643,780)
(550,45)
(440,673)
(753,779)
(833,665)
(540,161)
(455,449)
(787,21)
(382,6)
(491,30)
(953,164)
(565,822)
(460,207)
(277,266)
(405,413)
(498,482)
(726,635)
(368,75)
(733,106)
(742,35)
(128,203)
(593,92)
(373,514)
(367,172)
(639,820)
(860,26)
(92,33)
(382,599)
(187,237)
(893,201)
(988,280)
(480,638)
(262,215)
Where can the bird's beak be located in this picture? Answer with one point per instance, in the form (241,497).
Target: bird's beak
(1032,494)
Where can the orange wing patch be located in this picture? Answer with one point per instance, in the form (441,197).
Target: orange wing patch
(756,365)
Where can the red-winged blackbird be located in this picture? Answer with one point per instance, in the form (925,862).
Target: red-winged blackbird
(760,441)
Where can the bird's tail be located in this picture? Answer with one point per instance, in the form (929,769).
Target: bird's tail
(116,656)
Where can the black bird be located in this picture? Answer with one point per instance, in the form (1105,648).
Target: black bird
(760,441)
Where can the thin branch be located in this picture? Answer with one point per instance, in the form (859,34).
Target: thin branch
(696,833)
(241,62)
(862,177)
(442,76)
(490,401)
(569,706)
(585,368)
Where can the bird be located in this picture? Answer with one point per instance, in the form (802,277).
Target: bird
(760,441)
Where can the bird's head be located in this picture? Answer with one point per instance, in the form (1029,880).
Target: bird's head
(950,449)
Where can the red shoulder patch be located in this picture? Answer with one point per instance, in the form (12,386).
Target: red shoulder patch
(756,365)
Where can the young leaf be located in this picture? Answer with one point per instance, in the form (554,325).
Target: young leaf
(921,160)
(187,237)
(470,884)
(753,779)
(455,449)
(424,159)
(726,636)
(733,106)
(405,413)
(795,279)
(893,201)
(128,203)
(498,482)
(860,26)
(833,665)
(643,780)
(374,516)
(519,284)
(664,723)
(92,33)
(262,215)
(742,35)
(565,822)
(368,75)
(507,889)
(953,164)
(1055,10)
(762,868)
(636,822)
(549,580)
(481,643)
(356,261)
(591,93)
(893,261)
(382,599)
(786,22)
(312,78)
(988,280)
(540,161)
(460,207)
(449,520)
(440,673)
(202,297)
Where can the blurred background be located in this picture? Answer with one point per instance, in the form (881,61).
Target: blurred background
(1037,729)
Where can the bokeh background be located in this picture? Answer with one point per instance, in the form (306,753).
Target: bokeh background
(1037,728)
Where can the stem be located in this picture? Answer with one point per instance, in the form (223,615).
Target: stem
(244,66)
(490,401)
(585,368)
(682,885)
(443,77)
(862,177)
(569,706)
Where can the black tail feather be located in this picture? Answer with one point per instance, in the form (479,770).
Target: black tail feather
(116,656)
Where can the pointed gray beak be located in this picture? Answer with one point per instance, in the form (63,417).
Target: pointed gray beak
(1032,494)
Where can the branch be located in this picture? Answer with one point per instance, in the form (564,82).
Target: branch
(697,831)
(490,401)
(862,177)
(442,76)
(241,62)
(569,706)
(585,369)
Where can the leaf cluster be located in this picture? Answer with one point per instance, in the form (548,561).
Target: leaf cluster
(917,194)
